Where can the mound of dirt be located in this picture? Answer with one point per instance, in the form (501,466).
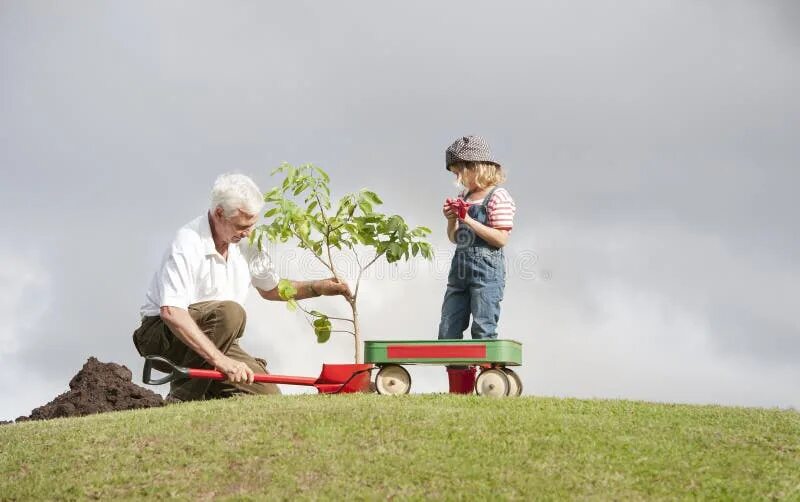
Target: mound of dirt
(97,388)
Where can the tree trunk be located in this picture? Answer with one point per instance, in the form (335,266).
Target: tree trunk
(357,337)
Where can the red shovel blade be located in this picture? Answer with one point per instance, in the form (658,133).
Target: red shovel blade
(346,378)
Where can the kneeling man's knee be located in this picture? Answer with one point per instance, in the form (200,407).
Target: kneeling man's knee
(230,315)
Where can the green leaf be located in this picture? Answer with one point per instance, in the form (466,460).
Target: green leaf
(425,248)
(394,223)
(303,230)
(365,207)
(286,290)
(324,175)
(372,197)
(322,328)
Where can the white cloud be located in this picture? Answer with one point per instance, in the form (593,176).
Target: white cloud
(24,298)
(627,314)
(669,181)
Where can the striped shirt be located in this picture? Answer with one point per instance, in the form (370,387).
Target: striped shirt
(501,209)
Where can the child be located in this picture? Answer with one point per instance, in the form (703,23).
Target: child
(476,280)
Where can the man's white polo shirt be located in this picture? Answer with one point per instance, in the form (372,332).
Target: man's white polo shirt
(193,271)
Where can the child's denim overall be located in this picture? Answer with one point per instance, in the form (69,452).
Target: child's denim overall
(475,284)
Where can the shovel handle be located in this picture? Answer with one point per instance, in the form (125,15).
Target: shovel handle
(181,372)
(177,371)
(284,379)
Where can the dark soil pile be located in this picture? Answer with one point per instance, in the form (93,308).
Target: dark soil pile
(97,388)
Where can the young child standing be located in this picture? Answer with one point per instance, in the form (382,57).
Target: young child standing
(478,222)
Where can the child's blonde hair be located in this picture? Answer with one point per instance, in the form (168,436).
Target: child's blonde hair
(486,173)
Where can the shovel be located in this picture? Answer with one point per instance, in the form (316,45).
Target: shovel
(333,379)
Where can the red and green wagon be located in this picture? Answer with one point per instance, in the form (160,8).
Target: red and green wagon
(492,357)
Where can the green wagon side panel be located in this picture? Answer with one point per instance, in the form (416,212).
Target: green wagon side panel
(507,352)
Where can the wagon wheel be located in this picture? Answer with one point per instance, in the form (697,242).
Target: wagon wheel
(492,383)
(515,381)
(393,379)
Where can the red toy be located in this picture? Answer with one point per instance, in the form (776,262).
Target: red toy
(460,206)
(333,379)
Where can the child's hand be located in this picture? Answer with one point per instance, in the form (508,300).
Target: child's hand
(459,207)
(448,211)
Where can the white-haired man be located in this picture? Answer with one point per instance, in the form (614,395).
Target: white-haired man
(193,313)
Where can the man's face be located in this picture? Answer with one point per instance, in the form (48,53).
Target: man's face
(235,228)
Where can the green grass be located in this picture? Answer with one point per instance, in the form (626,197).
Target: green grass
(419,446)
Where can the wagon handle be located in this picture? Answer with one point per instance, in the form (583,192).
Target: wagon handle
(177,371)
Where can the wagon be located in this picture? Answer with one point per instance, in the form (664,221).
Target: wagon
(492,357)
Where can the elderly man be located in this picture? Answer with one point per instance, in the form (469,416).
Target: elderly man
(193,313)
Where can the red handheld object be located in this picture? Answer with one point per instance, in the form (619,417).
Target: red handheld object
(460,206)
(333,379)
(218,375)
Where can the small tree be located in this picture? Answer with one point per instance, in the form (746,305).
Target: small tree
(317,227)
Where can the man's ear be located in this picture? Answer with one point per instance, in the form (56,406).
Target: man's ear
(218,212)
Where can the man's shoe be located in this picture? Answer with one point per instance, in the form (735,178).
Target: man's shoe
(170,399)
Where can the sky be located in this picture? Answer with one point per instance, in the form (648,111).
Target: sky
(651,149)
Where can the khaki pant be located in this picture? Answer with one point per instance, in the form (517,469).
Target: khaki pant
(223,323)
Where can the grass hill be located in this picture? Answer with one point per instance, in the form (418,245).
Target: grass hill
(417,446)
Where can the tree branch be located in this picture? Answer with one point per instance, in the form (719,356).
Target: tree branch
(310,248)
(327,236)
(321,209)
(361,272)
(329,317)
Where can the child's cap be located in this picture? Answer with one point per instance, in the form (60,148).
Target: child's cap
(468,149)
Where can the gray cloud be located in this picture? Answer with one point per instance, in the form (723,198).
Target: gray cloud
(651,150)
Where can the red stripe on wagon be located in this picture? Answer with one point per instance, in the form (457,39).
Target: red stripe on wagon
(435,352)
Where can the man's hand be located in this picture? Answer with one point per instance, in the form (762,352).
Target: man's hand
(332,287)
(236,371)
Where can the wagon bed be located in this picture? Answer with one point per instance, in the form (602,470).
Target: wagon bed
(499,352)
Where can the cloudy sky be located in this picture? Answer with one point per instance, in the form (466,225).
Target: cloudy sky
(652,149)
